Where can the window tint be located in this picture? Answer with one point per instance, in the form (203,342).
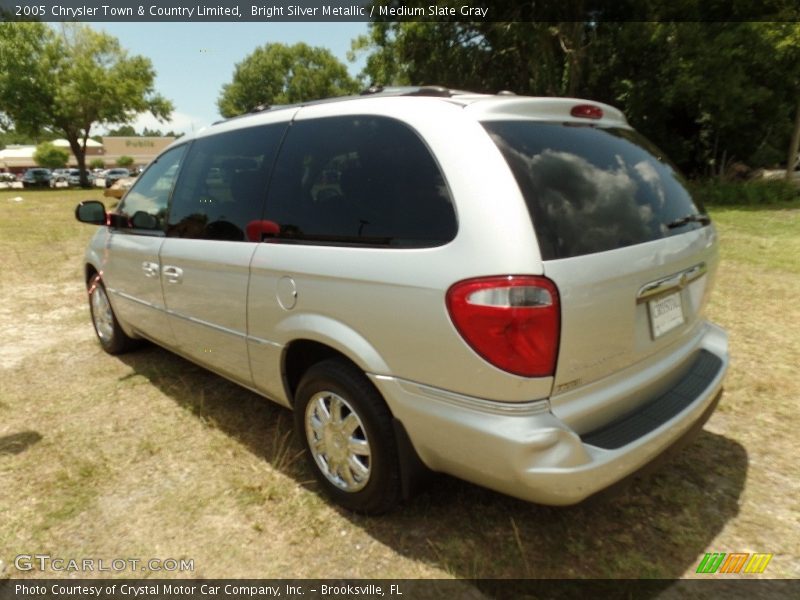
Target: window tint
(359,180)
(220,194)
(145,205)
(592,189)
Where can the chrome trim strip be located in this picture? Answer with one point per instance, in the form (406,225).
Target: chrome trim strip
(213,326)
(176,350)
(262,341)
(116,292)
(496,407)
(196,321)
(676,281)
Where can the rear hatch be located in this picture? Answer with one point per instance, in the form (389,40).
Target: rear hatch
(629,250)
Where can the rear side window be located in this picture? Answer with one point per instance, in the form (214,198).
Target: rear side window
(360,180)
(220,193)
(591,189)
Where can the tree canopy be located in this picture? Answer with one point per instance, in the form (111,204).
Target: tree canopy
(125,161)
(708,93)
(130,131)
(69,81)
(280,74)
(49,156)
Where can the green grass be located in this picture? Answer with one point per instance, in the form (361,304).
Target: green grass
(766,236)
(146,455)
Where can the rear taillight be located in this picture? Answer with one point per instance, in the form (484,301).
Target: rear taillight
(511,321)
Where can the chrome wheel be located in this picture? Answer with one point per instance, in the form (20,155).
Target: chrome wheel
(338,441)
(102,315)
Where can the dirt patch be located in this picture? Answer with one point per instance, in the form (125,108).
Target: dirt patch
(39,317)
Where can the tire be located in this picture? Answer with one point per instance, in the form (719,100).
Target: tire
(110,335)
(346,429)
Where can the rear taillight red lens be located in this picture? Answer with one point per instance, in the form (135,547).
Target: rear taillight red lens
(511,321)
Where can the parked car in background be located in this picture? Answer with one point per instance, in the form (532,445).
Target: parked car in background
(113,175)
(36,177)
(119,187)
(59,178)
(75,177)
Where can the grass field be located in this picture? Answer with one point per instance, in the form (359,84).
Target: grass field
(148,456)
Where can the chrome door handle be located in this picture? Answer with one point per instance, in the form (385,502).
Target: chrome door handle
(173,274)
(150,269)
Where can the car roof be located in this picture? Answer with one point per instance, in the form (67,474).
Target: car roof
(504,105)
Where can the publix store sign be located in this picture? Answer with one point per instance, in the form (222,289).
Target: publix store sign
(141,143)
(141,149)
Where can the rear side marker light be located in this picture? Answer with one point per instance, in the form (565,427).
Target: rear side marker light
(513,322)
(587,111)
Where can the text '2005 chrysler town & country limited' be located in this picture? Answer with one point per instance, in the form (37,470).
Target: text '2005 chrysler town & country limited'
(506,289)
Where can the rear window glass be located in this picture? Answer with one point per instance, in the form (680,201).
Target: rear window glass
(591,189)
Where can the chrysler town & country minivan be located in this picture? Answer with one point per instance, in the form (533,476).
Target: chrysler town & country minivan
(505,289)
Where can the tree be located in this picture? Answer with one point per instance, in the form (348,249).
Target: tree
(9,137)
(536,48)
(97,163)
(709,92)
(792,157)
(124,161)
(123,131)
(68,82)
(47,155)
(280,74)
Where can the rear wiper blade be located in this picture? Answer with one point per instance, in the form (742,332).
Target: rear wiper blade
(696,218)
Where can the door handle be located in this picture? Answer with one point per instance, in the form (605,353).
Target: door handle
(173,274)
(150,269)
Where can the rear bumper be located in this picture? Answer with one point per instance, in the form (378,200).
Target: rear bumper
(525,451)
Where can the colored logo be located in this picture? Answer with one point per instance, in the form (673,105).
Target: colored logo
(736,562)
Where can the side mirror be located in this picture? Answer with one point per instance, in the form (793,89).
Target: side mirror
(144,220)
(92,212)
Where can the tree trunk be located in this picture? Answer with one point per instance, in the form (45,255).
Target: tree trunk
(794,145)
(80,155)
(570,38)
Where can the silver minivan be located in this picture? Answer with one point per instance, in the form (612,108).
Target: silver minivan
(506,289)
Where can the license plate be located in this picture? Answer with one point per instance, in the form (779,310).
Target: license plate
(666,314)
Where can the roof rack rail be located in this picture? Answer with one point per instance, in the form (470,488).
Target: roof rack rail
(421,90)
(432,90)
(375,88)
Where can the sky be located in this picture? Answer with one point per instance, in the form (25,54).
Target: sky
(193,60)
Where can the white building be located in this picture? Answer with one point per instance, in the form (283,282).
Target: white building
(17,158)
